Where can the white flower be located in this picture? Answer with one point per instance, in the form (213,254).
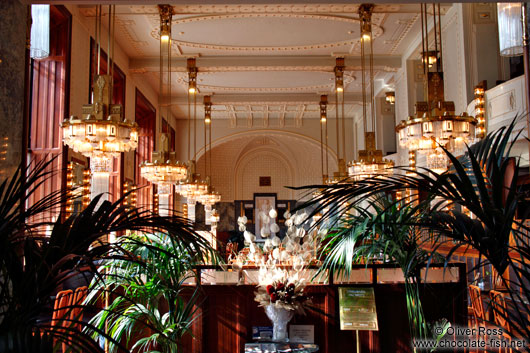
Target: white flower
(275,228)
(265,232)
(273,213)
(287,215)
(275,241)
(242,227)
(300,218)
(249,237)
(300,232)
(276,254)
(242,219)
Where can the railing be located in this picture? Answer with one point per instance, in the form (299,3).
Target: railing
(360,274)
(502,103)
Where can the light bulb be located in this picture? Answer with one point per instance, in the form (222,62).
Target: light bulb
(207,120)
(164,37)
(323,119)
(366,36)
(192,90)
(340,89)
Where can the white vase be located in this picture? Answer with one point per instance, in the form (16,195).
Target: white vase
(280,317)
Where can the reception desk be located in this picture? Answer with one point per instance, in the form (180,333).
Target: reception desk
(228,311)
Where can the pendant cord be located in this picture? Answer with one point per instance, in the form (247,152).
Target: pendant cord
(98,25)
(205,150)
(194,126)
(322,147)
(343,125)
(363,84)
(210,147)
(189,127)
(337,119)
(327,154)
(372,88)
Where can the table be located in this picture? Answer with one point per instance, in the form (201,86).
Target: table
(272,347)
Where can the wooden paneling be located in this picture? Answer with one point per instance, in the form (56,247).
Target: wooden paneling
(229,312)
(145,117)
(49,89)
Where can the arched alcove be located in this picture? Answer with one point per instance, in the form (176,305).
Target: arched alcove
(289,159)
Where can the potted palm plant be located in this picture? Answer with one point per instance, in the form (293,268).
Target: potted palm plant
(152,303)
(484,182)
(382,230)
(34,265)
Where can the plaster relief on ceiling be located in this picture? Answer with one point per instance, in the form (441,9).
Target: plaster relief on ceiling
(245,30)
(269,8)
(406,26)
(267,82)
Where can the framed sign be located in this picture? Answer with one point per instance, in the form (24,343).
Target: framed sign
(263,203)
(357,309)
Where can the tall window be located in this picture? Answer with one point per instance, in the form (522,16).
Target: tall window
(49,104)
(145,117)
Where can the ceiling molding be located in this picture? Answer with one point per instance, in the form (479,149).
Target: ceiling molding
(260,63)
(267,99)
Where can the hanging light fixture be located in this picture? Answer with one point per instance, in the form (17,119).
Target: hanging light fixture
(164,169)
(509,19)
(340,128)
(435,123)
(102,132)
(211,197)
(192,187)
(324,163)
(370,161)
(390,97)
(40,32)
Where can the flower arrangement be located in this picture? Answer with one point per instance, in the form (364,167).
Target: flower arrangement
(281,290)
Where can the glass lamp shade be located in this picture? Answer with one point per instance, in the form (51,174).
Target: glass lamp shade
(510,29)
(40,31)
(192,189)
(362,170)
(427,134)
(161,173)
(210,198)
(94,137)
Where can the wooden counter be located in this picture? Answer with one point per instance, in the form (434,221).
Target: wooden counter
(228,313)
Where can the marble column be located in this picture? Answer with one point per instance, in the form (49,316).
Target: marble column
(12,69)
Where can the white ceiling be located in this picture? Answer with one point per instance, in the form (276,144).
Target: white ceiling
(282,55)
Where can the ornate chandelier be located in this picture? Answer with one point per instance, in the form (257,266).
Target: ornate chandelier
(435,123)
(370,161)
(191,188)
(211,197)
(164,168)
(102,132)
